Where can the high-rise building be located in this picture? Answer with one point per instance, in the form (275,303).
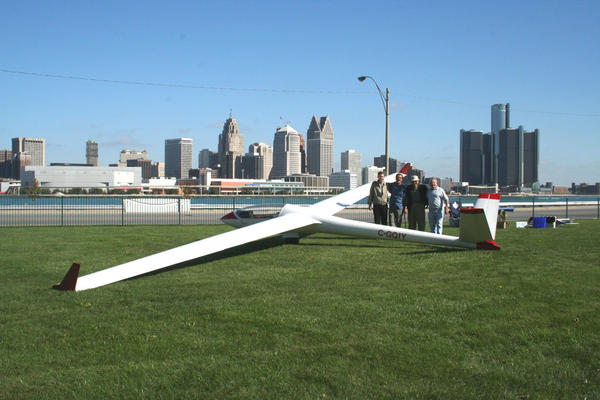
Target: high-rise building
(35,147)
(518,162)
(319,145)
(5,163)
(345,179)
(475,157)
(231,150)
(258,162)
(531,157)
(500,120)
(146,166)
(208,159)
(369,174)
(178,158)
(129,154)
(286,152)
(352,161)
(303,160)
(91,153)
(395,165)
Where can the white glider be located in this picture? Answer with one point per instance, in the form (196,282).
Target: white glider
(477,231)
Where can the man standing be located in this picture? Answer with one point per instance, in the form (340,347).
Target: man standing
(415,202)
(438,206)
(396,190)
(378,196)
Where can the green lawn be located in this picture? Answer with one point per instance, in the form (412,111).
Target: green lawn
(332,317)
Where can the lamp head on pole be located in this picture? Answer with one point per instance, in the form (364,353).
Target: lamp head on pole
(362,78)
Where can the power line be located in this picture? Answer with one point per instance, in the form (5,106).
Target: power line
(300,91)
(176,85)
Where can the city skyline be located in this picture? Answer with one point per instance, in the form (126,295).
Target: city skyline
(130,76)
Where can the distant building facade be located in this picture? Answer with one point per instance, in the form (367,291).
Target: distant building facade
(369,174)
(129,154)
(231,150)
(286,152)
(178,158)
(35,147)
(346,179)
(91,152)
(208,159)
(352,161)
(258,162)
(395,165)
(81,176)
(319,142)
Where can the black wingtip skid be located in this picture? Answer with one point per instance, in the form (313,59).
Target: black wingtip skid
(70,280)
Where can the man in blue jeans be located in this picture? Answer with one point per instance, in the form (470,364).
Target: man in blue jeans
(397,190)
(438,206)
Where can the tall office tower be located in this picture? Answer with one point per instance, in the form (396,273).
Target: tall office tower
(158,170)
(519,157)
(35,147)
(510,160)
(475,157)
(258,162)
(231,149)
(320,146)
(286,152)
(146,166)
(531,157)
(91,153)
(500,120)
(369,174)
(178,158)
(129,154)
(208,159)
(5,163)
(303,160)
(352,161)
(395,165)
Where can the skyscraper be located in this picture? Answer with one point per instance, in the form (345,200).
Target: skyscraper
(352,161)
(475,157)
(286,152)
(91,153)
(231,149)
(500,120)
(320,146)
(35,147)
(258,162)
(178,158)
(518,163)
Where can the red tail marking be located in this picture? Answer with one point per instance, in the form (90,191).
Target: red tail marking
(70,280)
(405,168)
(471,210)
(489,245)
(492,196)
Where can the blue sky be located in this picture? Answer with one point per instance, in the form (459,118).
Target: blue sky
(445,64)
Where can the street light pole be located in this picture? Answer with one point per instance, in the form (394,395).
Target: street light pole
(385,100)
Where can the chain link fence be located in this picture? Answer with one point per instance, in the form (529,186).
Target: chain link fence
(69,210)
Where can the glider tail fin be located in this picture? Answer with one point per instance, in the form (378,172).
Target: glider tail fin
(69,282)
(478,223)
(405,169)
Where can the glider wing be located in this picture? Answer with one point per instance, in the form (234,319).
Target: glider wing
(191,251)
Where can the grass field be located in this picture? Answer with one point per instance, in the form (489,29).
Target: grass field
(329,318)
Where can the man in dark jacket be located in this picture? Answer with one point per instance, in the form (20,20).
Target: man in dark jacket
(415,203)
(378,197)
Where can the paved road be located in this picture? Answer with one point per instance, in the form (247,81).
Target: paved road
(45,217)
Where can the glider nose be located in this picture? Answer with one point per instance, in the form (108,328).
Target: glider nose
(231,215)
